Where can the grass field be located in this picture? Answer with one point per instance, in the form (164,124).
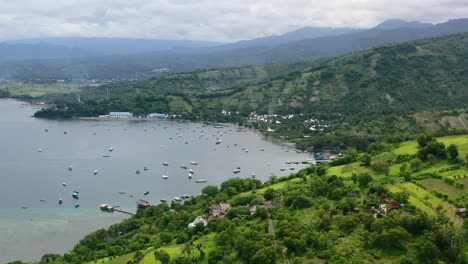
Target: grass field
(36,90)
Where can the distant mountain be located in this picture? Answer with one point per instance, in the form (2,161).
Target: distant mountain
(118,46)
(312,45)
(398,23)
(38,51)
(299,34)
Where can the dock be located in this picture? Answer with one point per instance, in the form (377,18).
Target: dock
(122,211)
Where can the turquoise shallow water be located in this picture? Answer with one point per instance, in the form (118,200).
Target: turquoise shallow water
(28,176)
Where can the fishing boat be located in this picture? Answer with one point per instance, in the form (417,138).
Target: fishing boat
(111,148)
(288,162)
(138,172)
(165,176)
(105,156)
(145,168)
(253,175)
(95,172)
(163,201)
(218,141)
(201,181)
(177,198)
(236,171)
(183,166)
(70,168)
(77,205)
(291,168)
(107,207)
(75,195)
(191,171)
(64,184)
(165,163)
(146,193)
(65,132)
(60,201)
(190,176)
(39,150)
(46,130)
(282,169)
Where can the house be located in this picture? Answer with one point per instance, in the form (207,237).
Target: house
(120,115)
(142,204)
(197,220)
(218,210)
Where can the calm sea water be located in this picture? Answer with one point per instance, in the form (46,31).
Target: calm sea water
(33,223)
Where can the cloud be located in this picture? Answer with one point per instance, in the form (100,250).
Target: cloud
(214,20)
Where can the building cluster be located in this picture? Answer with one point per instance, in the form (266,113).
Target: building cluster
(130,115)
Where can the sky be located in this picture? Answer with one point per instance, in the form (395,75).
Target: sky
(212,20)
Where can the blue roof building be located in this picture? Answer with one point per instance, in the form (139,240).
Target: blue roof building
(120,114)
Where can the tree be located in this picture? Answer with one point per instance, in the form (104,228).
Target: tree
(269,194)
(162,256)
(366,160)
(452,152)
(210,190)
(364,179)
(423,139)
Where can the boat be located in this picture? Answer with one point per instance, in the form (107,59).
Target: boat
(142,204)
(111,148)
(122,192)
(95,172)
(77,205)
(218,141)
(185,196)
(253,175)
(163,201)
(64,184)
(146,193)
(165,163)
(46,130)
(194,163)
(138,172)
(236,171)
(201,181)
(183,166)
(288,162)
(296,162)
(165,177)
(190,176)
(75,195)
(39,150)
(60,201)
(145,168)
(43,200)
(177,198)
(70,168)
(65,132)
(282,169)
(105,156)
(291,168)
(191,171)
(107,207)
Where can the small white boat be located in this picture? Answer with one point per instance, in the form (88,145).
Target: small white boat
(60,201)
(111,148)
(178,199)
(288,162)
(165,164)
(39,150)
(253,175)
(218,141)
(64,184)
(183,166)
(236,171)
(164,176)
(145,168)
(282,169)
(194,163)
(95,172)
(190,176)
(191,171)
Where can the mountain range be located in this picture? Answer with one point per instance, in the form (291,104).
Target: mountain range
(116,58)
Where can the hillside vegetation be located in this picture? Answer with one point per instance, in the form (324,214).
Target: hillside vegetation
(392,91)
(381,206)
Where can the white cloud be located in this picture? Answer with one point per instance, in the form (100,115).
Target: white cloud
(207,19)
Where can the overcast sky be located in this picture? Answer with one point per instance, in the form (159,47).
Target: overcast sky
(214,20)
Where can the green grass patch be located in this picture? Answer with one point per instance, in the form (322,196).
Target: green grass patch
(36,90)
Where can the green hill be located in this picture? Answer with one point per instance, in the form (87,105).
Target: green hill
(353,210)
(391,92)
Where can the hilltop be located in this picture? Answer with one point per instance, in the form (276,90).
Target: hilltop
(386,205)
